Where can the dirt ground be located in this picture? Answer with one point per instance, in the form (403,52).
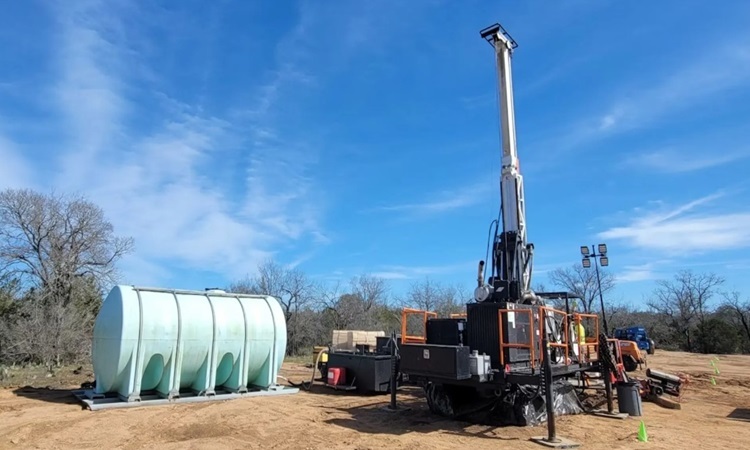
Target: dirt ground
(44,414)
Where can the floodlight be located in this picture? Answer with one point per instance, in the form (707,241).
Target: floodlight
(586,263)
(585,250)
(603,249)
(604,261)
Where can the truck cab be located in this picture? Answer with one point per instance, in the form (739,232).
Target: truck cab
(637,335)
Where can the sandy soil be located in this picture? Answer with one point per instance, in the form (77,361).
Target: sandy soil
(712,416)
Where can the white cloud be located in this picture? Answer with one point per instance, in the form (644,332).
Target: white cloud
(715,72)
(700,82)
(644,272)
(168,187)
(88,91)
(683,230)
(398,272)
(443,201)
(671,160)
(14,169)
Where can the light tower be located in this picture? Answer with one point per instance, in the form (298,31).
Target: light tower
(603,261)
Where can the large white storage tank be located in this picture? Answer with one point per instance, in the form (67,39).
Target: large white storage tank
(200,342)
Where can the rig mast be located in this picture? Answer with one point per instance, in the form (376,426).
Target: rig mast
(511,263)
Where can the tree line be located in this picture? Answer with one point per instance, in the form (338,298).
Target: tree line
(59,257)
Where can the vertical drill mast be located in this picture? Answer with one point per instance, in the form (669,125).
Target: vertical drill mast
(511,262)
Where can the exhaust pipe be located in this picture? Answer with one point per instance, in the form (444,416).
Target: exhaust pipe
(480,274)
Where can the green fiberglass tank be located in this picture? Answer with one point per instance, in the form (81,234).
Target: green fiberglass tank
(167,342)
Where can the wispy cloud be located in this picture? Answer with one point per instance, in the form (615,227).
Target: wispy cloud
(702,81)
(671,160)
(172,185)
(88,91)
(441,202)
(14,169)
(685,229)
(643,272)
(718,71)
(398,272)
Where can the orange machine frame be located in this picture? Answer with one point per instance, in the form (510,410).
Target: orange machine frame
(564,344)
(587,346)
(405,338)
(504,345)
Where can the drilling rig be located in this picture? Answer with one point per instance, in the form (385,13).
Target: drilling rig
(509,343)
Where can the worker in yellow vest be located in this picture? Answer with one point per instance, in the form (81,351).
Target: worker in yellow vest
(580,333)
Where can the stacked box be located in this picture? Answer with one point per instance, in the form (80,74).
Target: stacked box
(349,339)
(342,340)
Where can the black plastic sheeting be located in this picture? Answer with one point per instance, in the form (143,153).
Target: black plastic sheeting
(520,406)
(564,398)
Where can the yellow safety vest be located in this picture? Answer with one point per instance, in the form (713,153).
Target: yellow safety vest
(581,333)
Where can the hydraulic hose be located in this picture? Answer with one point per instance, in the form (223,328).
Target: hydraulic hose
(305,384)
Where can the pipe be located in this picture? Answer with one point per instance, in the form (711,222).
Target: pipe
(393,405)
(551,431)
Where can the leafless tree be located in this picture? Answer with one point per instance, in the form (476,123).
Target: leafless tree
(684,301)
(49,240)
(358,307)
(431,295)
(294,291)
(582,282)
(291,287)
(371,290)
(62,251)
(740,310)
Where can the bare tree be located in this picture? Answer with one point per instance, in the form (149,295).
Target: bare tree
(62,251)
(372,290)
(582,282)
(740,310)
(291,287)
(49,240)
(358,307)
(430,295)
(295,292)
(684,302)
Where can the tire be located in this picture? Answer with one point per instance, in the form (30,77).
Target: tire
(438,400)
(630,363)
(651,347)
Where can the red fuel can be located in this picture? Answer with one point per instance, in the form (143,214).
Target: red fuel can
(336,376)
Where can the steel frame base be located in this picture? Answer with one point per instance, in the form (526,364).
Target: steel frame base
(95,402)
(610,415)
(559,442)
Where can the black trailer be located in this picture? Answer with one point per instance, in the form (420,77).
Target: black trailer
(367,370)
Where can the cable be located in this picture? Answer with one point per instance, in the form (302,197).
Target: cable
(487,254)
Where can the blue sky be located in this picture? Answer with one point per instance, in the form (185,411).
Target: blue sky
(350,137)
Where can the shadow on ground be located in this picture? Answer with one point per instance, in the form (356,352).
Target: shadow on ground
(412,416)
(740,414)
(51,395)
(497,420)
